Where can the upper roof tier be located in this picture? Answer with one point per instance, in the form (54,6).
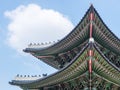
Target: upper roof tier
(79,36)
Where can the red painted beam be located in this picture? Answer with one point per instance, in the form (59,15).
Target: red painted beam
(90,61)
(91,26)
(90,66)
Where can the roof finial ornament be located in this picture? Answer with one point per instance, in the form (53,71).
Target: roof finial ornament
(91,7)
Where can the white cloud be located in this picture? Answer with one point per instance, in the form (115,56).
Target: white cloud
(29,24)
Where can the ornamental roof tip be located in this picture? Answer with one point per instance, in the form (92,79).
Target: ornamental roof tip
(91,7)
(41,45)
(91,4)
(27,77)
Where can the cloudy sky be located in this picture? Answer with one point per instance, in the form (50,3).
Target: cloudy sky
(36,21)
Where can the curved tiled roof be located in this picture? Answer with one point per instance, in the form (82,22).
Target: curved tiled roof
(78,65)
(80,34)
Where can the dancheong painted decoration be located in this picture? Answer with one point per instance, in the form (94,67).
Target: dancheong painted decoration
(88,58)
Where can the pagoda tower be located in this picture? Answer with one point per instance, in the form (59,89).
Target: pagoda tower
(88,58)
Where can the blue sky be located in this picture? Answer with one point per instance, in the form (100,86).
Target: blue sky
(13,61)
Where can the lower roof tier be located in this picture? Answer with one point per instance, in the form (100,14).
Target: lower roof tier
(90,66)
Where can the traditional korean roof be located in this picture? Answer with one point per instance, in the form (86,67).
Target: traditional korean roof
(78,67)
(78,37)
(88,56)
